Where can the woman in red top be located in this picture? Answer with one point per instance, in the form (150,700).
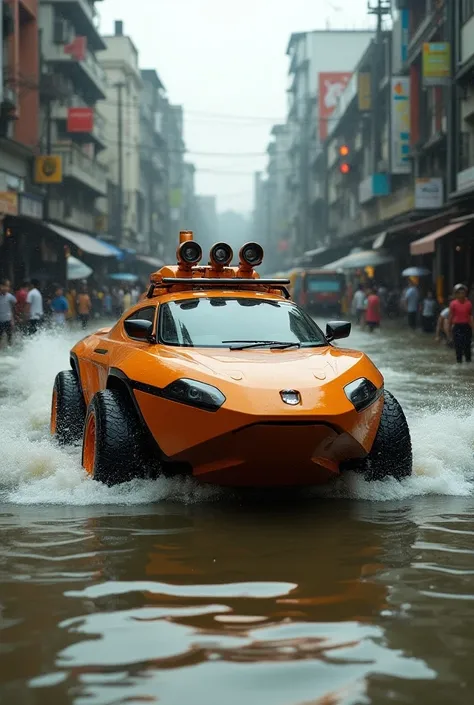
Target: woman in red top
(372,313)
(461,323)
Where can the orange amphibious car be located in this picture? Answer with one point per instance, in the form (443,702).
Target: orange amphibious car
(217,374)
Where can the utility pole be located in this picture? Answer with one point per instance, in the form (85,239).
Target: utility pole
(379,8)
(120,87)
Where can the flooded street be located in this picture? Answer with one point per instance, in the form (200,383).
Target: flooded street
(152,591)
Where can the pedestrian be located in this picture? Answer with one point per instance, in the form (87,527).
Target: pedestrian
(358,304)
(7,305)
(59,307)
(84,306)
(21,314)
(372,313)
(412,299)
(35,310)
(126,299)
(442,327)
(461,323)
(428,313)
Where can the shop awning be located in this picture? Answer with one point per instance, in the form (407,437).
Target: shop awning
(150,261)
(84,242)
(427,245)
(379,241)
(116,251)
(314,253)
(358,260)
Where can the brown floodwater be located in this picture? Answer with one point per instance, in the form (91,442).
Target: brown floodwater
(165,592)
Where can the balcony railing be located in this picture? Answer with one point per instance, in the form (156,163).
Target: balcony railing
(95,72)
(77,165)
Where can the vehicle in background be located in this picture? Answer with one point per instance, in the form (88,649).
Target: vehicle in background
(319,291)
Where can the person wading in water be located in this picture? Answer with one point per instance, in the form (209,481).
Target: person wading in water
(461,323)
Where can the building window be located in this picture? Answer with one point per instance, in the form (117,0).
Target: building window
(467,10)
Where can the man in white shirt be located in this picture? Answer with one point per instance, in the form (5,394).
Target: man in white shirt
(7,302)
(359,303)
(34,302)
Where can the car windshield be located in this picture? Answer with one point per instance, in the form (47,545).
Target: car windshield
(225,322)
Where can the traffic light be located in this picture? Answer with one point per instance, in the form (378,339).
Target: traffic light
(344,159)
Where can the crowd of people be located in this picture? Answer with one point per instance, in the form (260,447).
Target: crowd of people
(28,308)
(451,323)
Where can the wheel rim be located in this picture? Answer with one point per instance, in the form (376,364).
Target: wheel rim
(54,413)
(89,445)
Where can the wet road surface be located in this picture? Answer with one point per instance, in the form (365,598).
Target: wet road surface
(167,592)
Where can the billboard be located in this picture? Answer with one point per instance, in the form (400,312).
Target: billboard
(80,120)
(436,63)
(331,86)
(400,125)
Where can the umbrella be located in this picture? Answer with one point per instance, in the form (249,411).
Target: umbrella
(123,277)
(77,269)
(416,272)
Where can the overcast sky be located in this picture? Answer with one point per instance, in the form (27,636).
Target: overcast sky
(225,62)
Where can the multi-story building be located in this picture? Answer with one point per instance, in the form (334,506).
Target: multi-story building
(153,163)
(277,226)
(72,83)
(321,63)
(207,228)
(189,196)
(121,110)
(19,132)
(173,126)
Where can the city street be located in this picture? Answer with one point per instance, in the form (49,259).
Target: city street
(362,589)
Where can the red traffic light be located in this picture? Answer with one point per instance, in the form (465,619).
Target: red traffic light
(345,168)
(344,150)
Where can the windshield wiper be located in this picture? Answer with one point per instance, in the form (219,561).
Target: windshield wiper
(272,344)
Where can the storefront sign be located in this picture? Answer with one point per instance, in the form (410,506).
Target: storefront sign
(436,63)
(331,87)
(8,203)
(373,186)
(428,193)
(48,170)
(80,120)
(400,125)
(31,206)
(364,91)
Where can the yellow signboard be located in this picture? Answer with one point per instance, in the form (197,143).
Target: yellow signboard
(436,63)
(8,203)
(48,170)
(364,92)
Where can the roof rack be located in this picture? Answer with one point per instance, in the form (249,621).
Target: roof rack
(231,282)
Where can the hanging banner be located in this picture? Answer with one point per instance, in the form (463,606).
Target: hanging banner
(48,170)
(77,48)
(400,125)
(436,63)
(364,92)
(331,87)
(80,120)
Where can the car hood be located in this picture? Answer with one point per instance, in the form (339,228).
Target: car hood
(262,368)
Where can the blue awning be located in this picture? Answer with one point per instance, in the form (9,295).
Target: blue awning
(119,254)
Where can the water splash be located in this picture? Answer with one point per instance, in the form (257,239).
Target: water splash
(33,470)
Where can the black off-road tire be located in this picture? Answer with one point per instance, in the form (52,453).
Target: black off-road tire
(391,454)
(70,408)
(123,450)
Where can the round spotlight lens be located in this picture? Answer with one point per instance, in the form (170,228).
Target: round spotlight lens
(252,253)
(191,252)
(221,253)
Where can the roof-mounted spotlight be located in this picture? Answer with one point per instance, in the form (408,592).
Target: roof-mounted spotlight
(221,255)
(251,254)
(188,254)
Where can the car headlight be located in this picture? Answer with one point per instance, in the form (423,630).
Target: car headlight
(193,393)
(362,393)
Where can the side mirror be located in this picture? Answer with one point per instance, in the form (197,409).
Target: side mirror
(139,329)
(335,330)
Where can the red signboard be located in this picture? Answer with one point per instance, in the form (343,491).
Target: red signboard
(80,120)
(77,48)
(331,86)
